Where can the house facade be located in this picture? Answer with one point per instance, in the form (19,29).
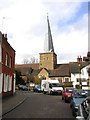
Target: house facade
(7,67)
(81,78)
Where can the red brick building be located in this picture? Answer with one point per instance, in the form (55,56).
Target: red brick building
(7,65)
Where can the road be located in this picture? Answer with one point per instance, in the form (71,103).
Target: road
(38,105)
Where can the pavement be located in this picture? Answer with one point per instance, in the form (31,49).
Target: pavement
(11,102)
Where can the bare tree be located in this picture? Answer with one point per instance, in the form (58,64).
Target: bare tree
(32,60)
(25,61)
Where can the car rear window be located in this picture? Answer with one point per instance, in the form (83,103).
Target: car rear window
(69,90)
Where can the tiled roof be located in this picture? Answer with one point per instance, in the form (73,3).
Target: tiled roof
(74,67)
(35,72)
(26,68)
(84,64)
(33,66)
(61,71)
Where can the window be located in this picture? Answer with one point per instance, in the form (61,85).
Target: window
(10,83)
(10,62)
(5,82)
(6,59)
(66,79)
(50,85)
(2,54)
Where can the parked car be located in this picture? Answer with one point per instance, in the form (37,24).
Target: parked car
(76,100)
(20,87)
(67,94)
(37,88)
(84,110)
(87,92)
(24,88)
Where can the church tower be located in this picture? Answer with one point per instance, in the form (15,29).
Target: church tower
(48,59)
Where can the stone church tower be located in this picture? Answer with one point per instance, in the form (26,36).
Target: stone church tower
(48,59)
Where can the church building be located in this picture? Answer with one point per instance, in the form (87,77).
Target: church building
(47,68)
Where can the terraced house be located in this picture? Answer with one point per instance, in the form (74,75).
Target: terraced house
(69,74)
(7,67)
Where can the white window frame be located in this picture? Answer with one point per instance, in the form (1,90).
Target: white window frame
(10,83)
(5,82)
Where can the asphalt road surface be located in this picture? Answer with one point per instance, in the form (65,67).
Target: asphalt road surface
(38,105)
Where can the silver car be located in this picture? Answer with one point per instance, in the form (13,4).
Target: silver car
(84,110)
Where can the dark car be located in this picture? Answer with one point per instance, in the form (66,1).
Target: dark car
(76,100)
(37,88)
(84,110)
(67,94)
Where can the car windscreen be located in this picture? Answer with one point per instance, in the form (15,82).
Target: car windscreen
(79,95)
(56,85)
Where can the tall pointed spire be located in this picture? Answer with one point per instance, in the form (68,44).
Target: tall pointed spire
(48,41)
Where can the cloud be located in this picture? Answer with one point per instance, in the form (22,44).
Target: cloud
(26,25)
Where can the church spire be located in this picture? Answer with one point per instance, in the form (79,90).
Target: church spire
(48,41)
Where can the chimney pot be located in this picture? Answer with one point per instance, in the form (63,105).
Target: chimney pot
(5,35)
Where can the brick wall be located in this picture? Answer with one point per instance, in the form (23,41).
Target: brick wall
(7,69)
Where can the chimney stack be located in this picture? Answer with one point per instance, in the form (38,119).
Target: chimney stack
(79,59)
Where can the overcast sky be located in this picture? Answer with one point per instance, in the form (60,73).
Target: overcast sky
(25,22)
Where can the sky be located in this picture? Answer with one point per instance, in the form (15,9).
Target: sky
(25,22)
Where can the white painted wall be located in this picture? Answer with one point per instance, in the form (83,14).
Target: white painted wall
(84,73)
(74,78)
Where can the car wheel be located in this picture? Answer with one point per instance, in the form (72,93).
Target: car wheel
(73,113)
(44,92)
(65,100)
(51,93)
(70,106)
